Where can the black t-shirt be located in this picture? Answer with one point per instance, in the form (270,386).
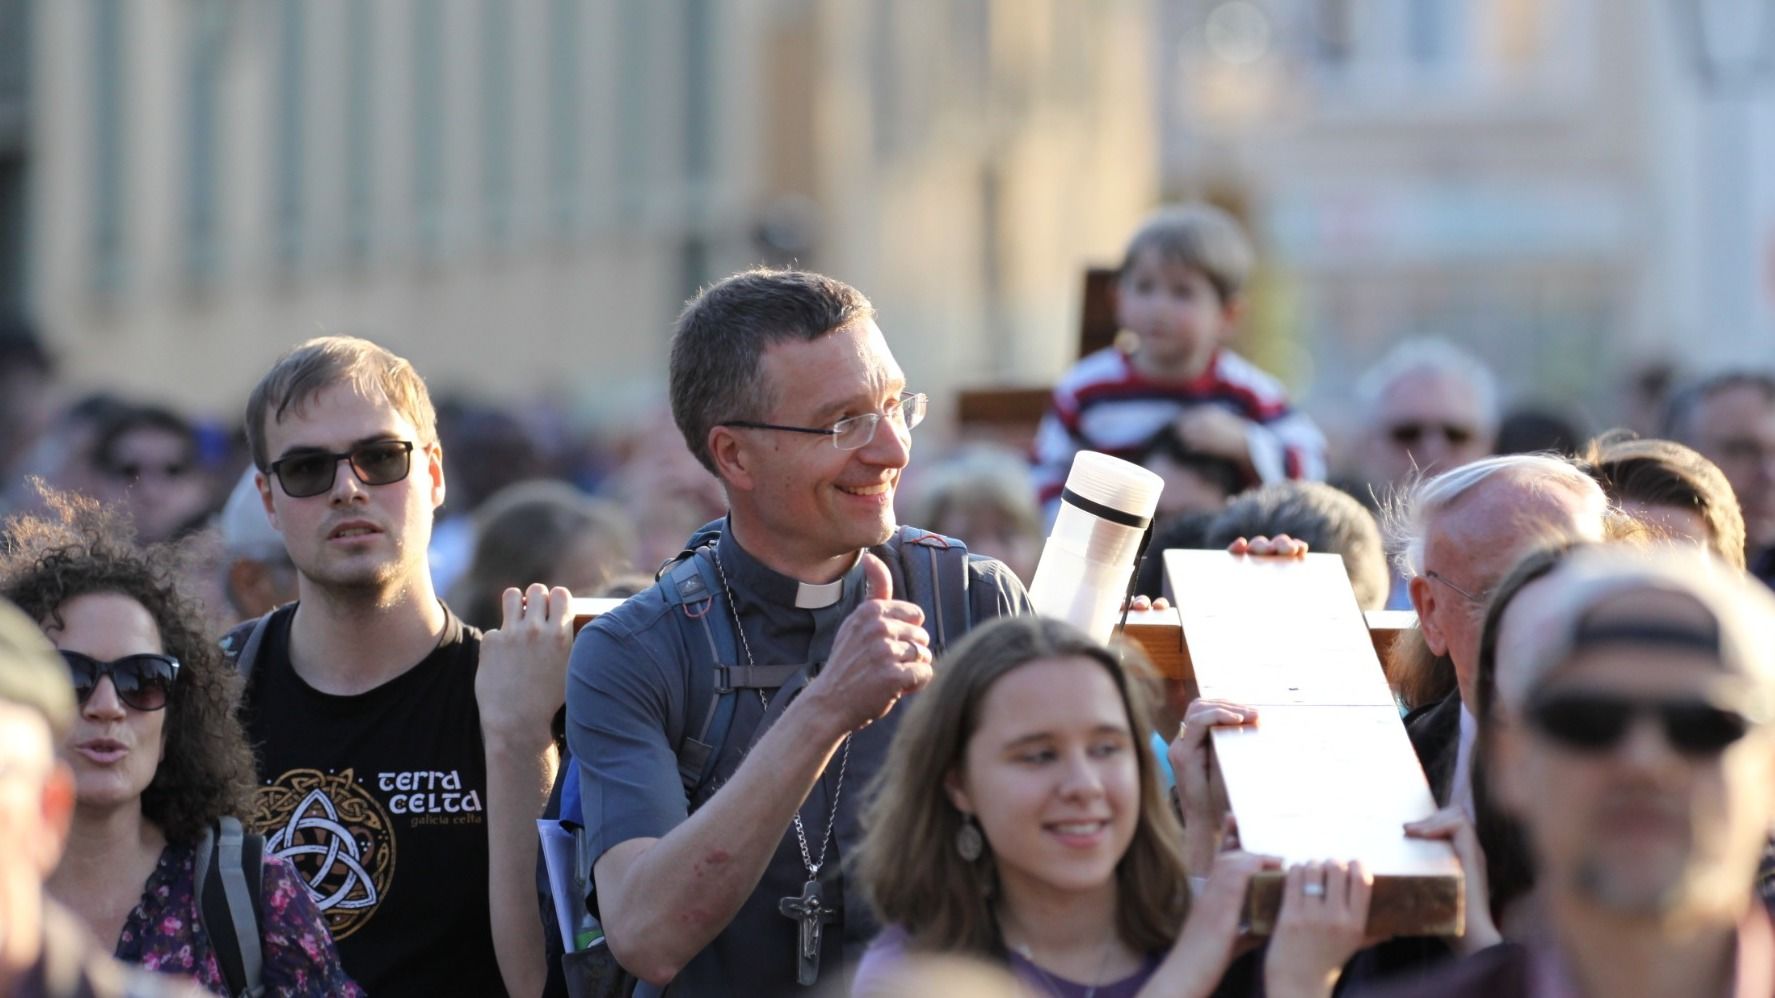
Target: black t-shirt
(379,801)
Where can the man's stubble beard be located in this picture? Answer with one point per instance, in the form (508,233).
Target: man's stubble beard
(378,587)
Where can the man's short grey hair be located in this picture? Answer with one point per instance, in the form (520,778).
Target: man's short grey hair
(1437,357)
(718,346)
(1408,515)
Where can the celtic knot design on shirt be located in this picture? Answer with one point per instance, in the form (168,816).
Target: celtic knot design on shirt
(337,837)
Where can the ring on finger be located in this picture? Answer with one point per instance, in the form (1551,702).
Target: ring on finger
(1313,889)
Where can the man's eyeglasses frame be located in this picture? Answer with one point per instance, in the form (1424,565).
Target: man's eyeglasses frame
(852,432)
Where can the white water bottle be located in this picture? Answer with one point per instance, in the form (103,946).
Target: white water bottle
(1104,511)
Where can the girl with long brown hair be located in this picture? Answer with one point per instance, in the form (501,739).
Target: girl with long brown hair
(1020,820)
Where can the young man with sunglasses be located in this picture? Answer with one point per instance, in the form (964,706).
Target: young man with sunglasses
(1635,695)
(404,757)
(801,619)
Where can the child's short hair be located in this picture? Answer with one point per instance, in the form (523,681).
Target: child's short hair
(1200,236)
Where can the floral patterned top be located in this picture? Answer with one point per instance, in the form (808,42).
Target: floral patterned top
(163,933)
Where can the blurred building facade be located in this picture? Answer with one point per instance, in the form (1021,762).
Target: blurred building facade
(519,194)
(1568,187)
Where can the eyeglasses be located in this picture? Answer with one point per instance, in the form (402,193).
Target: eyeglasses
(310,473)
(856,431)
(1597,722)
(1477,600)
(1410,433)
(143,681)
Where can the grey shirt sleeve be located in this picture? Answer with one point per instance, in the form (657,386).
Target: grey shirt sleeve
(625,708)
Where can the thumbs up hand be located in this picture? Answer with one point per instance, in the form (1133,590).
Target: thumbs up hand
(882,652)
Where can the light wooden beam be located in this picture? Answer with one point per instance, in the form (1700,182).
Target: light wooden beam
(1327,772)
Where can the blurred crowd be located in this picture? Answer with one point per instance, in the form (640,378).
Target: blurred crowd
(1030,781)
(534,495)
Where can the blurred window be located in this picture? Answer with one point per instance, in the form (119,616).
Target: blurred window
(109,144)
(360,128)
(288,147)
(566,91)
(496,118)
(428,126)
(206,39)
(1379,52)
(636,122)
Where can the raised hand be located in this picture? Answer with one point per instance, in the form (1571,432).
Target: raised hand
(1210,429)
(882,652)
(1451,825)
(522,677)
(1212,934)
(1200,796)
(1279,546)
(1321,925)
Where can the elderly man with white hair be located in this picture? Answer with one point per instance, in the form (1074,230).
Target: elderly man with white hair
(1634,739)
(1455,536)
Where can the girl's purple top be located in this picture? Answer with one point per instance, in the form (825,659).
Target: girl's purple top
(164,934)
(887,954)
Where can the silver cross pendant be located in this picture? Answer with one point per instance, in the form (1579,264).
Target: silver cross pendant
(813,917)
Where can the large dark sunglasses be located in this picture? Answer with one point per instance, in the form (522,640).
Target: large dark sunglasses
(1409,434)
(310,473)
(1597,722)
(143,681)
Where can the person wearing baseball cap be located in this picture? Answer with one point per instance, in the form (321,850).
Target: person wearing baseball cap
(1632,739)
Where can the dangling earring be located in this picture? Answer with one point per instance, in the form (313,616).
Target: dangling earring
(1127,342)
(969,843)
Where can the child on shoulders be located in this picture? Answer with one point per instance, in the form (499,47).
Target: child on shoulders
(1170,385)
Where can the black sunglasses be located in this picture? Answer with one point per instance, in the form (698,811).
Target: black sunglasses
(1408,434)
(133,471)
(310,473)
(1597,722)
(143,681)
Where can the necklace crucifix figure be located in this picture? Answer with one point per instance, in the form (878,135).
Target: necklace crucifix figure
(814,916)
(808,909)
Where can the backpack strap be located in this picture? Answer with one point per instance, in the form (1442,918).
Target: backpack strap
(242,644)
(691,585)
(935,568)
(229,872)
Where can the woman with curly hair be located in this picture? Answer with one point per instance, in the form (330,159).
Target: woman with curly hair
(1019,820)
(157,751)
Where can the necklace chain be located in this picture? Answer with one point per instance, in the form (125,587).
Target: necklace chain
(1050,983)
(812,866)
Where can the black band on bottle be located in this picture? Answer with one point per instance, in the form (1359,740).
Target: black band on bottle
(1103,512)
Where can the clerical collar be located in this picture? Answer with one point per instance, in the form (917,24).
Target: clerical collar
(811,597)
(754,580)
